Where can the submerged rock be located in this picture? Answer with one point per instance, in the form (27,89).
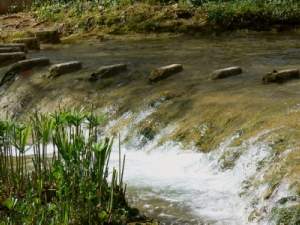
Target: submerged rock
(63,68)
(21,46)
(30,42)
(48,36)
(108,71)
(11,57)
(281,76)
(23,66)
(165,72)
(226,72)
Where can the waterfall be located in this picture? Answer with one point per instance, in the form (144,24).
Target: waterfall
(193,182)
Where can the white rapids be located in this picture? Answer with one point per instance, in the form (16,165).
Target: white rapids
(191,181)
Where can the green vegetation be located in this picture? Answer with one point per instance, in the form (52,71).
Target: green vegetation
(121,16)
(65,181)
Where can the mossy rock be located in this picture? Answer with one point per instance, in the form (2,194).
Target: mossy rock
(286,216)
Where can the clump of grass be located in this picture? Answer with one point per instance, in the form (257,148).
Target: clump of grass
(255,14)
(66,180)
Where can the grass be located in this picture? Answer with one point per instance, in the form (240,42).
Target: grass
(123,16)
(68,180)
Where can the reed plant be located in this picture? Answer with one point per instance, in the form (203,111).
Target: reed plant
(54,169)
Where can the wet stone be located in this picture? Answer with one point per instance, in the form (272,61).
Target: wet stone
(10,49)
(30,63)
(31,43)
(11,57)
(226,72)
(21,46)
(23,66)
(165,72)
(281,76)
(63,68)
(108,71)
(48,36)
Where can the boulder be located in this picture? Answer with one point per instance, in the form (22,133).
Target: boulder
(48,36)
(23,65)
(63,68)
(21,46)
(226,72)
(165,72)
(108,71)
(10,49)
(11,57)
(281,76)
(30,42)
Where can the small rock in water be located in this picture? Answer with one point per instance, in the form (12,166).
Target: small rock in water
(226,72)
(10,49)
(30,42)
(29,64)
(21,46)
(22,66)
(63,68)
(281,76)
(48,36)
(165,72)
(108,71)
(11,57)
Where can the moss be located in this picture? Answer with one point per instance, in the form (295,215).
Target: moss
(286,216)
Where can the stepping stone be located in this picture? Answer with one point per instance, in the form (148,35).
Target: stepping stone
(281,76)
(226,72)
(10,49)
(11,57)
(63,68)
(48,36)
(23,66)
(108,71)
(15,45)
(165,72)
(31,43)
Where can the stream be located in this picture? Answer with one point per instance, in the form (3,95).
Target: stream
(177,176)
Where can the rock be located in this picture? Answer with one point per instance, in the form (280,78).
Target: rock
(29,64)
(281,76)
(30,42)
(22,66)
(62,68)
(226,72)
(10,49)
(48,36)
(11,57)
(165,72)
(108,71)
(15,45)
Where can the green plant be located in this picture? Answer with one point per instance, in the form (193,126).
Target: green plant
(65,180)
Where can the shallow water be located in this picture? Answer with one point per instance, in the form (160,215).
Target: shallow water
(177,184)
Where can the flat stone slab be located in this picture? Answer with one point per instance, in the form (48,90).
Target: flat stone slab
(281,76)
(63,68)
(165,72)
(11,57)
(30,42)
(48,36)
(10,49)
(226,72)
(23,66)
(21,46)
(108,71)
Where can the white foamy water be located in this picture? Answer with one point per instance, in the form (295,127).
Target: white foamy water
(191,181)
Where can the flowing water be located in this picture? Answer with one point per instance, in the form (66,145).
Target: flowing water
(167,180)
(181,186)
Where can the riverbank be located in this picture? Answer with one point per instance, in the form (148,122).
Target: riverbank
(79,19)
